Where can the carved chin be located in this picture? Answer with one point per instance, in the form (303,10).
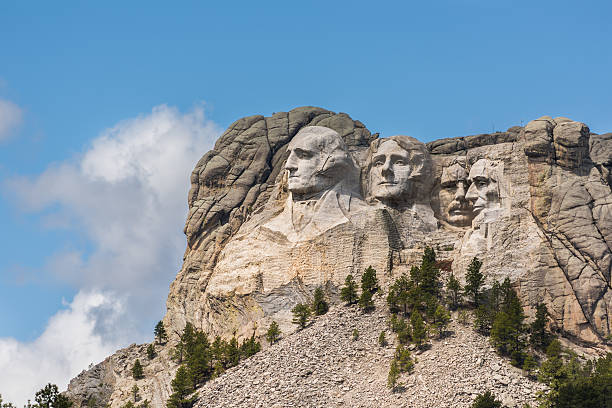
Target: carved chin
(460,220)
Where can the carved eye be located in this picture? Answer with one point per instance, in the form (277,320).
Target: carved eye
(482,183)
(303,154)
(399,162)
(379,163)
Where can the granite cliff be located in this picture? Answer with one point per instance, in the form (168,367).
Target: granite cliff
(286,203)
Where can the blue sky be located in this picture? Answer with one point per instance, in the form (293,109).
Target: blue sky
(90,81)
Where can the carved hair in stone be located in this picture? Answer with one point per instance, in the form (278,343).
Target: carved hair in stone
(454,208)
(318,159)
(484,190)
(399,171)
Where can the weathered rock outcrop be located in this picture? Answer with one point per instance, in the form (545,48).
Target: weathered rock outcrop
(286,203)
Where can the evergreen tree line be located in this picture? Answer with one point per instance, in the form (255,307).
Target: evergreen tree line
(47,397)
(417,310)
(201,361)
(303,312)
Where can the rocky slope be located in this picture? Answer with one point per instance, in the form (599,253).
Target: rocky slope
(322,366)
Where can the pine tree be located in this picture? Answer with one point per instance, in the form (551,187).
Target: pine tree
(151,351)
(404,359)
(366,303)
(508,330)
(137,371)
(273,333)
(540,338)
(369,281)
(319,304)
(48,397)
(355,334)
(398,298)
(382,340)
(441,319)
(530,365)
(182,387)
(486,400)
(160,333)
(301,314)
(199,363)
(453,286)
(135,393)
(232,352)
(418,328)
(394,374)
(348,293)
(429,275)
(474,281)
(250,347)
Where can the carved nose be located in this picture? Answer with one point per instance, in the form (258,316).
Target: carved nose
(471,194)
(291,163)
(386,168)
(460,193)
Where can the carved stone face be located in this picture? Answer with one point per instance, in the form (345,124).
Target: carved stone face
(484,188)
(317,157)
(455,208)
(396,170)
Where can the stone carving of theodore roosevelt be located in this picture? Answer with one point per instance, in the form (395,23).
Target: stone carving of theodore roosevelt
(322,180)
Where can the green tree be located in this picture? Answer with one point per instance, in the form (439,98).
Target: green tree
(273,333)
(404,359)
(135,393)
(486,400)
(232,352)
(355,334)
(530,366)
(301,315)
(250,347)
(540,338)
(441,320)
(382,339)
(50,397)
(474,281)
(394,374)
(319,304)
(402,329)
(366,303)
(199,363)
(418,328)
(160,333)
(151,351)
(137,371)
(507,331)
(348,293)
(453,287)
(183,388)
(369,281)
(398,298)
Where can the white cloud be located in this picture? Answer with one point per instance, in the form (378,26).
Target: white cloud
(10,118)
(127,195)
(69,344)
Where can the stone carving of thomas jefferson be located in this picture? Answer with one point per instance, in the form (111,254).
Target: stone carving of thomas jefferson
(399,172)
(322,180)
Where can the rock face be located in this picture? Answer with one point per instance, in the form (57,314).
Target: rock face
(273,215)
(286,203)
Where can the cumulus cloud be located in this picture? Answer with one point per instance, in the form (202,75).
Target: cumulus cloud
(127,196)
(69,344)
(10,118)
